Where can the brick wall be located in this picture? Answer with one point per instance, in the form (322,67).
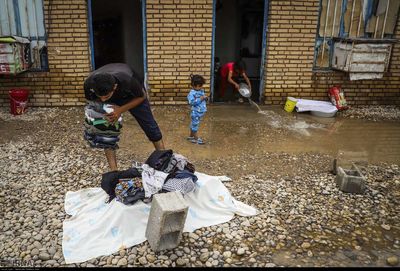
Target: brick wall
(179,37)
(290,55)
(69,58)
(179,34)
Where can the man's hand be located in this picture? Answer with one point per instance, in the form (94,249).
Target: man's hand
(114,116)
(237,87)
(204,98)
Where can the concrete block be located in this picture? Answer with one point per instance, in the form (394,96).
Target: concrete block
(166,220)
(345,159)
(350,180)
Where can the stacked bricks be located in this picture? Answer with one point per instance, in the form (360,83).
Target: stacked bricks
(179,42)
(290,55)
(166,220)
(68,57)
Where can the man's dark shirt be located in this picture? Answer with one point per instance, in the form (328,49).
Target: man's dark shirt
(130,85)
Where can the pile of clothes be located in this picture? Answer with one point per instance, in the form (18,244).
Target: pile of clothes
(99,132)
(164,171)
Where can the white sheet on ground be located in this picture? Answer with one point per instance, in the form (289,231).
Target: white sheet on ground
(97,228)
(304,105)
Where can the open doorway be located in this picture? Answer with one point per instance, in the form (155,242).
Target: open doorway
(117,33)
(238,36)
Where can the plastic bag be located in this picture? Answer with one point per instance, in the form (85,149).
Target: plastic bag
(336,95)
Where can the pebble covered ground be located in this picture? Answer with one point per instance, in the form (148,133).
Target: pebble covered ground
(304,219)
(374,113)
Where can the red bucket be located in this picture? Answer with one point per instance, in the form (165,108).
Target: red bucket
(18,100)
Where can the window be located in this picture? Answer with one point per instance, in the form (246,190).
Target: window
(25,19)
(363,26)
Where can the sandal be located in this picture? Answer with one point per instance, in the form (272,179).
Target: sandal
(190,138)
(200,141)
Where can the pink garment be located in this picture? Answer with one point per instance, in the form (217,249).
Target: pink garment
(224,76)
(226,69)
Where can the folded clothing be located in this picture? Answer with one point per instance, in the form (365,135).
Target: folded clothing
(153,180)
(142,181)
(167,171)
(104,125)
(101,141)
(110,179)
(129,191)
(93,114)
(91,129)
(159,159)
(106,139)
(168,161)
(97,145)
(99,132)
(96,106)
(183,174)
(185,185)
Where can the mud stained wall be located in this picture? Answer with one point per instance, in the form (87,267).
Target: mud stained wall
(69,58)
(179,35)
(290,55)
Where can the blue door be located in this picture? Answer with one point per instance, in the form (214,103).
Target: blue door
(239,33)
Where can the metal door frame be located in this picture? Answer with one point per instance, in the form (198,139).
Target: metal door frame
(91,41)
(263,53)
(144,38)
(212,52)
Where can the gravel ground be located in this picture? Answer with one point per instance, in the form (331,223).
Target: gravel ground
(304,219)
(374,113)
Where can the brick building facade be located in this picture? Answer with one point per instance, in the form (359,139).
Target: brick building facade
(179,42)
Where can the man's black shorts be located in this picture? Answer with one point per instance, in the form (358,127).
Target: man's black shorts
(143,115)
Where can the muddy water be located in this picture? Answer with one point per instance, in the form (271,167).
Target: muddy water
(232,130)
(254,104)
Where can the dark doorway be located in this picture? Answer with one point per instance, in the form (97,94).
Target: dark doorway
(238,36)
(108,41)
(118,33)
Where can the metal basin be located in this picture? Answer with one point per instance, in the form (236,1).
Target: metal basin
(244,90)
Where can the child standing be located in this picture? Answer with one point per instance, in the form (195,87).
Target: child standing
(197,99)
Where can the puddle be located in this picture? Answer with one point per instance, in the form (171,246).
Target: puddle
(232,130)
(252,103)
(284,122)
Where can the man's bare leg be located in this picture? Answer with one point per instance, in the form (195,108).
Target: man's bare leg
(159,145)
(111,158)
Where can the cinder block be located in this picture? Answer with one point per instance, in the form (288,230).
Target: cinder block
(350,180)
(166,220)
(345,159)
